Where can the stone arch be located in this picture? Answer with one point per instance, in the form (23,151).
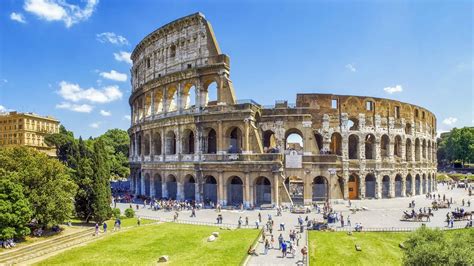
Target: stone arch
(188,142)
(146,144)
(353,186)
(408,185)
(417,184)
(189,96)
(157,143)
(211,93)
(294,139)
(263,191)
(147,185)
(417,149)
(353,146)
(370,186)
(269,140)
(170,143)
(407,128)
(398,185)
(319,142)
(384,146)
(386,187)
(138,187)
(157,182)
(353,124)
(370,146)
(189,188)
(210,141)
(148,111)
(172,187)
(398,146)
(336,144)
(234,136)
(171,100)
(408,150)
(320,188)
(158,101)
(210,190)
(235,195)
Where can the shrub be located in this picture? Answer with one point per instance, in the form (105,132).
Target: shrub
(116,212)
(129,213)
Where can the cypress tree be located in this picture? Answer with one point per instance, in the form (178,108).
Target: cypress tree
(101,194)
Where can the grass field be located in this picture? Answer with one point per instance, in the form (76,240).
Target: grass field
(185,245)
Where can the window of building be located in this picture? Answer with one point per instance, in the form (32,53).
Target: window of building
(397,111)
(334,104)
(369,106)
(148,63)
(173,51)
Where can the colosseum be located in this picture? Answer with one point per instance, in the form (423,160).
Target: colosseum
(191,139)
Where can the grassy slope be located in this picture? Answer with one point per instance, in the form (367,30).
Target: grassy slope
(185,244)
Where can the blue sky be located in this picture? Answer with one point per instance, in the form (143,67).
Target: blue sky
(67,58)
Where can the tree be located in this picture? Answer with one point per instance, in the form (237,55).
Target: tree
(456,146)
(15,212)
(101,194)
(46,183)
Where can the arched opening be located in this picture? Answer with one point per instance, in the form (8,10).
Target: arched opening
(269,141)
(398,146)
(353,147)
(171,101)
(370,185)
(188,142)
(408,128)
(146,144)
(408,184)
(417,185)
(157,143)
(417,149)
(319,142)
(235,140)
(320,188)
(170,143)
(147,185)
(370,147)
(336,144)
(211,94)
(423,184)
(294,140)
(211,142)
(428,151)
(138,184)
(429,183)
(158,186)
(353,124)
(408,150)
(235,195)
(385,187)
(148,105)
(139,141)
(263,193)
(158,101)
(210,190)
(384,146)
(398,185)
(423,149)
(172,187)
(189,96)
(189,188)
(353,186)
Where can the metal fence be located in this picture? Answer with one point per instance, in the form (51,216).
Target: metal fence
(393,229)
(180,221)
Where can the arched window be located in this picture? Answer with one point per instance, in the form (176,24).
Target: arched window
(353,147)
(189,96)
(172,106)
(158,101)
(319,142)
(384,146)
(353,124)
(210,94)
(398,146)
(235,140)
(370,147)
(188,142)
(269,140)
(146,144)
(157,143)
(408,150)
(336,144)
(170,143)
(294,140)
(139,141)
(211,142)
(407,128)
(417,149)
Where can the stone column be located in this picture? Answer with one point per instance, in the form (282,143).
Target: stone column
(180,190)
(276,195)
(179,98)
(392,186)
(152,111)
(220,138)
(142,185)
(163,144)
(198,95)
(345,147)
(361,147)
(164,188)
(378,156)
(165,100)
(362,175)
(404,185)
(346,185)
(152,186)
(378,186)
(221,197)
(246,148)
(131,179)
(247,190)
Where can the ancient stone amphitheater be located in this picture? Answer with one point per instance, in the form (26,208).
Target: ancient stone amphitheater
(193,140)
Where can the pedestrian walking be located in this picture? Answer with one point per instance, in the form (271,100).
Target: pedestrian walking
(246,221)
(139,221)
(104,227)
(280,241)
(283,249)
(96,229)
(267,246)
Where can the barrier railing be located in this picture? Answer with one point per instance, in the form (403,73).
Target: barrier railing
(180,221)
(393,229)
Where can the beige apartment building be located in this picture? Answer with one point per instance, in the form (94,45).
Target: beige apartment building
(27,129)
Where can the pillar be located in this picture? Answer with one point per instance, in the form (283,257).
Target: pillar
(152,186)
(220,139)
(180,190)
(152,111)
(346,185)
(179,98)
(142,184)
(404,185)
(276,192)
(221,197)
(164,188)
(247,190)
(392,187)
(378,186)
(246,148)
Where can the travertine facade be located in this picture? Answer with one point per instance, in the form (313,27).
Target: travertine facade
(188,146)
(27,129)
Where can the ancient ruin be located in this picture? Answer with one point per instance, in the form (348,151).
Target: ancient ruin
(193,140)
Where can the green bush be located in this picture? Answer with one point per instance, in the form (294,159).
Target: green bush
(116,213)
(130,213)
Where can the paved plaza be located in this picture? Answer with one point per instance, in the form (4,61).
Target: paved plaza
(379,213)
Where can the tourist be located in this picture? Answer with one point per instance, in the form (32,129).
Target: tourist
(272,241)
(283,249)
(193,212)
(298,237)
(104,226)
(246,221)
(280,241)
(251,251)
(240,222)
(348,220)
(259,217)
(462,202)
(139,220)
(452,221)
(304,252)
(257,224)
(96,229)
(267,246)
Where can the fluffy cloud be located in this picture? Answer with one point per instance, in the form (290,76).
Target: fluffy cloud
(18,17)
(74,93)
(351,67)
(105,113)
(80,108)
(114,75)
(112,38)
(123,57)
(450,121)
(60,10)
(95,125)
(127,117)
(392,90)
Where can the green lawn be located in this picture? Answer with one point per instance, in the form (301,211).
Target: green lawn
(338,248)
(125,222)
(185,245)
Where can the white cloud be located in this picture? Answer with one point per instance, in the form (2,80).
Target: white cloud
(351,67)
(114,75)
(60,10)
(3,109)
(112,38)
(73,92)
(392,90)
(95,125)
(127,117)
(105,113)
(450,121)
(18,17)
(80,108)
(123,57)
